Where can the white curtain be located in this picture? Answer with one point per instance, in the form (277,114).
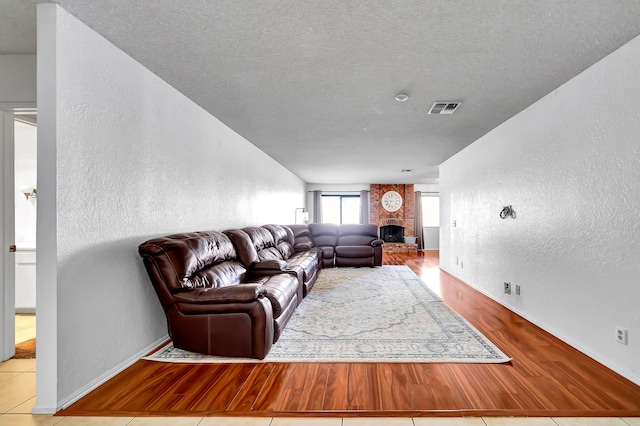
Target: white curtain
(417,221)
(364,206)
(317,206)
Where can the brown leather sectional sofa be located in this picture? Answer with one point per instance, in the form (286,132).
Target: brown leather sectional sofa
(232,293)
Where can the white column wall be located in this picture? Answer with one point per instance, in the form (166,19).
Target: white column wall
(134,159)
(570,167)
(46,215)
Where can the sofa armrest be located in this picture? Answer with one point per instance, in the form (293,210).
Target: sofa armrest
(376,243)
(241,293)
(269,265)
(302,247)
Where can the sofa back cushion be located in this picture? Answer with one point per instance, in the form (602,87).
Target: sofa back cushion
(357,235)
(324,234)
(205,259)
(263,242)
(283,239)
(246,251)
(302,239)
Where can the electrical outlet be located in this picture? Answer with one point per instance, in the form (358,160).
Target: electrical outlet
(517,289)
(461,265)
(621,335)
(453,223)
(456,260)
(507,288)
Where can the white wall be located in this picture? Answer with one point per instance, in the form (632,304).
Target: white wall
(17,80)
(427,187)
(134,159)
(570,167)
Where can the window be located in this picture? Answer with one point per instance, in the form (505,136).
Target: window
(430,210)
(341,209)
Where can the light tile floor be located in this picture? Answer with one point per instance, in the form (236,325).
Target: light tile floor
(18,391)
(25,328)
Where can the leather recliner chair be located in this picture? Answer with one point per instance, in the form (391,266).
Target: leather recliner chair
(212,303)
(358,245)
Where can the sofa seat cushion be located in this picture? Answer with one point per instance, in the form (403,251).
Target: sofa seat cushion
(354,251)
(281,290)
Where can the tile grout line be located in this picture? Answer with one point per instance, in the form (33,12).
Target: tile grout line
(23,402)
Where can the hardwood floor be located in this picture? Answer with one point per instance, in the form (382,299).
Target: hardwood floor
(546,377)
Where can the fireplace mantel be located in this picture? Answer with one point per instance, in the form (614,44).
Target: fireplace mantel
(387,222)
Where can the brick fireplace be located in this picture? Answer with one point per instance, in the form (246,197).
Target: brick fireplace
(403,217)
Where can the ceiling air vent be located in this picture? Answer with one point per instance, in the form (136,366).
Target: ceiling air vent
(444,107)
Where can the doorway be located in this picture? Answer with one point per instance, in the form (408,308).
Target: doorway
(431,220)
(25,199)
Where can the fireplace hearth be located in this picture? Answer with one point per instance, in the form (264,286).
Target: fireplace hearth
(392,234)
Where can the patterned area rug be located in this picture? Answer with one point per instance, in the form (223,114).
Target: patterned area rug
(384,314)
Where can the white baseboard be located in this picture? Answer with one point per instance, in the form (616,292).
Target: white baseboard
(47,409)
(43,409)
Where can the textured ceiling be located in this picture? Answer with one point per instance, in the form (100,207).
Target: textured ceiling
(312,83)
(17,27)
